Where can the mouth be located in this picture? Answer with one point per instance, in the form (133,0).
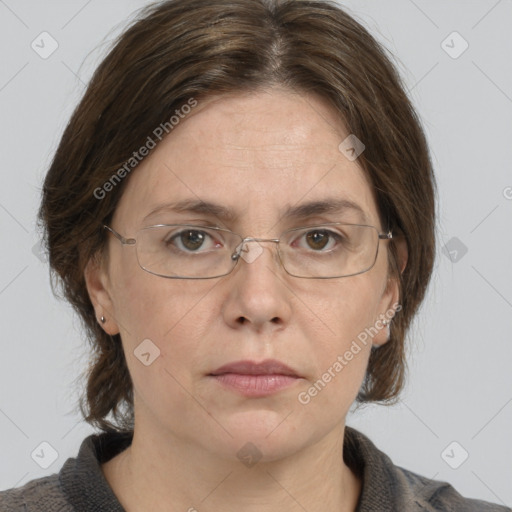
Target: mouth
(267,367)
(256,379)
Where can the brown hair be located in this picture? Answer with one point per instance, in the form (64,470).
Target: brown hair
(182,49)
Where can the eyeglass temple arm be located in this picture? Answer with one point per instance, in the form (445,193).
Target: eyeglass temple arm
(121,238)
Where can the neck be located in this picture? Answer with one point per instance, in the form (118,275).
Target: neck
(156,471)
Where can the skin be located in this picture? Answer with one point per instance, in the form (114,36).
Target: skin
(256,153)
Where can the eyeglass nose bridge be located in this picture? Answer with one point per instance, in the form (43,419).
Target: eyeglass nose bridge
(241,248)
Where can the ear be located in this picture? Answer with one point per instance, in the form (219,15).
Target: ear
(98,287)
(390,300)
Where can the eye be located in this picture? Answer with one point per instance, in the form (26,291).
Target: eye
(320,239)
(191,240)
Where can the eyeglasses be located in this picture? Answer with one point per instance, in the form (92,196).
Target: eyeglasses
(188,251)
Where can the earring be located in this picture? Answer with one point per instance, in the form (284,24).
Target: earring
(385,322)
(103,319)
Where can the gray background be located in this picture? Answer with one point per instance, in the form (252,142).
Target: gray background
(460,385)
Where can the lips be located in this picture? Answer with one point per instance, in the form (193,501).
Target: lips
(255,380)
(267,367)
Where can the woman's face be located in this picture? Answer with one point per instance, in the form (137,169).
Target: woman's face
(257,155)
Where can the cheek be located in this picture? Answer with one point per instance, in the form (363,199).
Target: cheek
(172,318)
(135,301)
(346,307)
(340,337)
(172,314)
(146,306)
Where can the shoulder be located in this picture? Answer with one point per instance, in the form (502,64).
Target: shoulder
(437,495)
(387,487)
(37,495)
(80,484)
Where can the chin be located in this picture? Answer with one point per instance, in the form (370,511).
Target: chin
(266,434)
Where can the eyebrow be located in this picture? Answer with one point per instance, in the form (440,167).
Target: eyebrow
(301,211)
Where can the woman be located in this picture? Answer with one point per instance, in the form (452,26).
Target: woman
(241,209)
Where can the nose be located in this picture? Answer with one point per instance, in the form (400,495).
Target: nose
(257,297)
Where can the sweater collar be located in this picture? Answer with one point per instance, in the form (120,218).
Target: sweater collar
(82,478)
(384,486)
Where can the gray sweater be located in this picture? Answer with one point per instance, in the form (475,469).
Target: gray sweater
(81,487)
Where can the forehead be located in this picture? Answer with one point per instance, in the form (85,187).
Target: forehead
(257,154)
